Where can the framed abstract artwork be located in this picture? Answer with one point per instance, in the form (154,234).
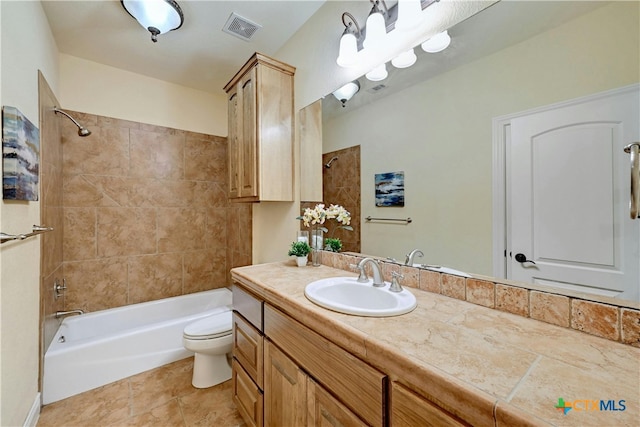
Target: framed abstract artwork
(389,189)
(20,156)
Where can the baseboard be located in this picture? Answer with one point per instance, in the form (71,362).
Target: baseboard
(34,413)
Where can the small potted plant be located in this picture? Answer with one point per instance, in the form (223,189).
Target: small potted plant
(332,244)
(300,250)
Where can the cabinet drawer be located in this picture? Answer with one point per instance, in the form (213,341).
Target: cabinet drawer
(248,305)
(248,348)
(408,410)
(359,386)
(246,396)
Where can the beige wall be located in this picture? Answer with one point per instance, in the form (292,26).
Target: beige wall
(107,91)
(439,132)
(24,51)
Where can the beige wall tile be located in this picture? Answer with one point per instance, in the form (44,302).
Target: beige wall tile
(430,281)
(512,299)
(156,155)
(94,285)
(549,308)
(105,152)
(153,277)
(630,327)
(453,286)
(481,292)
(79,234)
(596,319)
(181,229)
(126,231)
(202,270)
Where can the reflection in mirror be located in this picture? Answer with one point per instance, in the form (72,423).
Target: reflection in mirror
(434,122)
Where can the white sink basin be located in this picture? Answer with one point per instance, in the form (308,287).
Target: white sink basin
(347,295)
(442,269)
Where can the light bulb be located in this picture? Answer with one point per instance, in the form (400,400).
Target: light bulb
(348,50)
(405,59)
(376,31)
(378,73)
(437,43)
(409,14)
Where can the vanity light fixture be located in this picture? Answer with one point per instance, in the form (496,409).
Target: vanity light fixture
(377,74)
(156,16)
(348,41)
(437,43)
(346,92)
(376,25)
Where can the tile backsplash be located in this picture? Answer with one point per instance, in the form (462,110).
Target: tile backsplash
(146,214)
(607,320)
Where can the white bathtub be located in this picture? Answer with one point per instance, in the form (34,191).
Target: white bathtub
(98,348)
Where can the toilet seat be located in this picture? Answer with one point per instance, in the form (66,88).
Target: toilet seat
(216,326)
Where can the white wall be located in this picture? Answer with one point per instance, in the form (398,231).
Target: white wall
(439,132)
(95,88)
(27,45)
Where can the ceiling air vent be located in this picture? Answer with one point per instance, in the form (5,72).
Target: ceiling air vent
(240,27)
(377,88)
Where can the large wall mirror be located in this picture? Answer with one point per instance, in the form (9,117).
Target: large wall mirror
(434,122)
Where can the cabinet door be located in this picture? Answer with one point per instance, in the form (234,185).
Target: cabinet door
(233,141)
(248,142)
(408,410)
(247,347)
(246,396)
(285,389)
(326,410)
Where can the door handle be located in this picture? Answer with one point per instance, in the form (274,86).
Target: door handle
(634,202)
(522,258)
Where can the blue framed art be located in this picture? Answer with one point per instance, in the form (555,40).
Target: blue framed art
(389,189)
(20,156)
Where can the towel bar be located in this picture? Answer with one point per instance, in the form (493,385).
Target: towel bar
(37,229)
(405,220)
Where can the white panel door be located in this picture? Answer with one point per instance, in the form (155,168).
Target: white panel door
(569,197)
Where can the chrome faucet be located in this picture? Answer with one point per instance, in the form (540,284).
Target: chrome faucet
(377,272)
(409,259)
(60,314)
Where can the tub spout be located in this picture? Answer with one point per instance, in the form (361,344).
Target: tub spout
(60,314)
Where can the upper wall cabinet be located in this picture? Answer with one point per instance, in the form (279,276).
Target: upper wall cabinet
(260,98)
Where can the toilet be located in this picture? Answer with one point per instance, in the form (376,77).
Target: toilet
(211,340)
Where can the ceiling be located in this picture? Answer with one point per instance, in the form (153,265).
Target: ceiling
(198,55)
(201,56)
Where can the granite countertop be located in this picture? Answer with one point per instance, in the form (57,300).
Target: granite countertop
(486,366)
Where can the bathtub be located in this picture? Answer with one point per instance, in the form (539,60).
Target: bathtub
(98,348)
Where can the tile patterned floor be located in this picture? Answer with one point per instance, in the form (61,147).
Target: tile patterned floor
(161,397)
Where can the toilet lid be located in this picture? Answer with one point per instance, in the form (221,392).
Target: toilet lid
(209,327)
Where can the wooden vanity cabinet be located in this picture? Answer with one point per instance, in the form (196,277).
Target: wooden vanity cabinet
(334,386)
(285,374)
(260,141)
(409,409)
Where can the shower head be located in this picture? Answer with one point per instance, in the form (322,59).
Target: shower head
(82,131)
(328,164)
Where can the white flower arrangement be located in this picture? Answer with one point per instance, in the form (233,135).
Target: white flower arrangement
(318,215)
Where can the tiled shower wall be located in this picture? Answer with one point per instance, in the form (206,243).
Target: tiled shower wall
(341,186)
(146,214)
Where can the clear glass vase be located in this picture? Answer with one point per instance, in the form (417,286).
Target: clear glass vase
(317,242)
